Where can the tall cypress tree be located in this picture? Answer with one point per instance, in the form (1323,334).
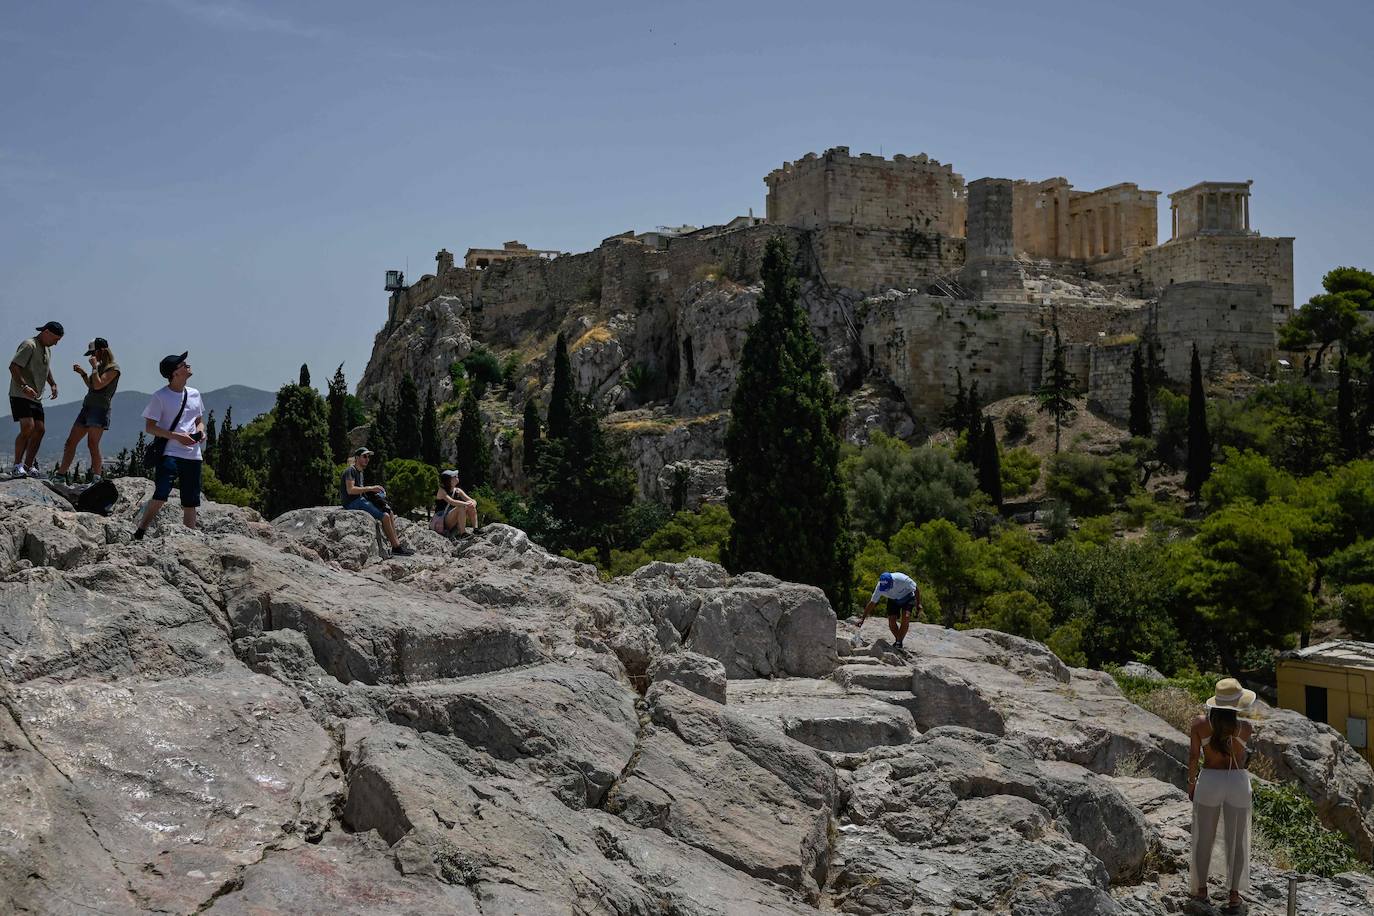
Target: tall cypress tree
(955,416)
(1057,388)
(560,395)
(474,454)
(305,376)
(136,467)
(338,417)
(1367,414)
(299,469)
(228,461)
(407,435)
(531,438)
(783,444)
(380,439)
(211,440)
(585,482)
(429,432)
(1199,439)
(989,464)
(1345,411)
(1140,397)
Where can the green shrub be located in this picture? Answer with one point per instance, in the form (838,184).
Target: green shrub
(890,484)
(220,492)
(483,368)
(1020,471)
(1289,820)
(1091,485)
(1018,612)
(1357,610)
(1097,531)
(1017,423)
(687,534)
(1066,641)
(510,370)
(410,484)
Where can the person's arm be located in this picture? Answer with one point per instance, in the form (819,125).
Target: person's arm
(99,380)
(442,494)
(868,609)
(150,426)
(355,490)
(463,498)
(919,609)
(17,373)
(1244,733)
(1194,751)
(52,383)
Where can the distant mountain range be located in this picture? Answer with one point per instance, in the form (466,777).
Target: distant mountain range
(126,421)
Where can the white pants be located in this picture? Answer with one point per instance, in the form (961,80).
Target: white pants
(1222,795)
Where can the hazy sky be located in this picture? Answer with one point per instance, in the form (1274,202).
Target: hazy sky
(233,177)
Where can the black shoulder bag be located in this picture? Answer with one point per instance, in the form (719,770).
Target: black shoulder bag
(152,454)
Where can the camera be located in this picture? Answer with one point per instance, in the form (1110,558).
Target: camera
(197,435)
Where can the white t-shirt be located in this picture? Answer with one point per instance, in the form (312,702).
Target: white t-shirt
(902,588)
(162,409)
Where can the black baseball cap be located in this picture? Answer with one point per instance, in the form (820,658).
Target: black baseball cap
(99,343)
(169,364)
(53,326)
(360,451)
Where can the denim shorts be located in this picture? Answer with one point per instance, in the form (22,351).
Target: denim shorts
(364,504)
(186,472)
(93,416)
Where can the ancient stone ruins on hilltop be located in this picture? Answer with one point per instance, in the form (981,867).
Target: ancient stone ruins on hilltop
(259,718)
(910,274)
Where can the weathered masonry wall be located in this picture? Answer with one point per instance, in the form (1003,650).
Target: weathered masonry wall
(1230,323)
(1109,378)
(869,259)
(835,188)
(1226,259)
(918,341)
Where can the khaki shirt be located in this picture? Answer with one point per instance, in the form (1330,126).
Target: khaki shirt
(33,361)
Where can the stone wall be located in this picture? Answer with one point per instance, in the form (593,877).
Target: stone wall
(1230,323)
(835,188)
(919,342)
(1226,259)
(1109,378)
(872,260)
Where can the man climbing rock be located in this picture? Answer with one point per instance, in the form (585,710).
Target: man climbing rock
(902,594)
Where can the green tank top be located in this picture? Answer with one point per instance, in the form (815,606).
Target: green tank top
(104,397)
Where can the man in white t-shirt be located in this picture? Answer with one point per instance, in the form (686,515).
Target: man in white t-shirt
(175,415)
(902,594)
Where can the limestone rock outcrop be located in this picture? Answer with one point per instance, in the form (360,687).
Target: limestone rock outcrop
(280,717)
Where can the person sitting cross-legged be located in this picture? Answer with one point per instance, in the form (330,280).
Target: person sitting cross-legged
(353,494)
(902,594)
(454,511)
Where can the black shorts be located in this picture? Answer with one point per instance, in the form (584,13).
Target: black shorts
(185,472)
(898,608)
(24,409)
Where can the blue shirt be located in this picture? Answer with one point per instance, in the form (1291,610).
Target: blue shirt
(902,588)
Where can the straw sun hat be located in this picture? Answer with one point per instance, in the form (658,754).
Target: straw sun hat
(1230,695)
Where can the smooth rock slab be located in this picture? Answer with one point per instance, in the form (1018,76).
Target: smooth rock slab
(823,714)
(732,787)
(703,676)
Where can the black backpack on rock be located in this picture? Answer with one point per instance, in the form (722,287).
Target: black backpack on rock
(99,498)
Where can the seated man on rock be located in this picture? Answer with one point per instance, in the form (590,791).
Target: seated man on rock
(354,495)
(902,594)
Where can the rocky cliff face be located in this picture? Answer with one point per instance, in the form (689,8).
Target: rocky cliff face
(278,717)
(676,354)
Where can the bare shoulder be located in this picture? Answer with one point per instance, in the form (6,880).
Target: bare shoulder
(1201,726)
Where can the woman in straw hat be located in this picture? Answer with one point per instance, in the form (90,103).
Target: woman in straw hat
(1220,788)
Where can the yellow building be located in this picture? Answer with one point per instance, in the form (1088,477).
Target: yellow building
(1332,682)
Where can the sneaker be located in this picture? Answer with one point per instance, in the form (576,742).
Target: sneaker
(402,551)
(61,478)
(19,471)
(35,473)
(897,645)
(96,478)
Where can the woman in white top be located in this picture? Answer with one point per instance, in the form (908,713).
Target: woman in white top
(1220,789)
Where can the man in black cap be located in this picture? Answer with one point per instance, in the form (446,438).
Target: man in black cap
(28,371)
(175,415)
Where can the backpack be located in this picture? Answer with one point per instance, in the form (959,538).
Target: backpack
(99,498)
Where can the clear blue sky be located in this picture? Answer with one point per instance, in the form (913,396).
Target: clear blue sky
(233,176)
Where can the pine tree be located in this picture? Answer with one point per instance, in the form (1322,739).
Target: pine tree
(1057,388)
(1199,439)
(531,438)
(585,482)
(299,468)
(136,468)
(955,416)
(305,376)
(429,432)
(380,440)
(338,417)
(474,453)
(1140,397)
(1367,414)
(989,464)
(227,461)
(211,440)
(407,440)
(783,445)
(560,394)
(1345,411)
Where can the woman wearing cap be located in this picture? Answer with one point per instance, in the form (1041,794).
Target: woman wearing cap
(454,510)
(94,418)
(1220,789)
